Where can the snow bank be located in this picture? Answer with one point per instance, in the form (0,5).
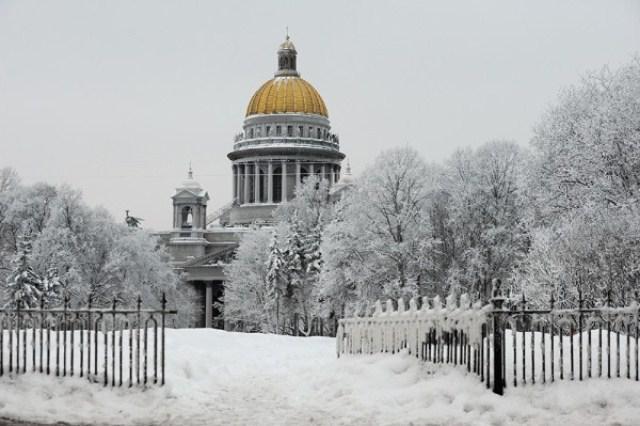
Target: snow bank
(216,378)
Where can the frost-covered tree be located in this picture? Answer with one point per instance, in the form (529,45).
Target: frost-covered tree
(586,182)
(588,143)
(246,293)
(9,179)
(381,242)
(93,257)
(594,251)
(26,288)
(487,207)
(295,260)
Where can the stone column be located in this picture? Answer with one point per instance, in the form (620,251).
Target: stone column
(297,173)
(238,184)
(208,305)
(195,218)
(256,183)
(234,182)
(284,181)
(324,171)
(246,197)
(333,174)
(270,182)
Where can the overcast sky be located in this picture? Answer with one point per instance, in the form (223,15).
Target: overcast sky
(116,97)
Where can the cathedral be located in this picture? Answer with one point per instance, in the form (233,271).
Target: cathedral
(286,136)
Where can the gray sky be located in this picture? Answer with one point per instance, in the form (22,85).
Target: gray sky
(115,97)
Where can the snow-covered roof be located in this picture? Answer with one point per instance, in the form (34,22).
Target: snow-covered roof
(190,184)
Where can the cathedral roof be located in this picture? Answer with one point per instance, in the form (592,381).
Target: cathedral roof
(190,184)
(287,92)
(287,95)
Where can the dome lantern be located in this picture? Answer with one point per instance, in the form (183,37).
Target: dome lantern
(287,55)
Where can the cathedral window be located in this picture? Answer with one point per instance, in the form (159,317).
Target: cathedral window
(301,131)
(267,130)
(250,133)
(319,133)
(289,131)
(258,132)
(278,130)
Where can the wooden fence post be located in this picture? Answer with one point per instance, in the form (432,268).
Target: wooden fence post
(497,301)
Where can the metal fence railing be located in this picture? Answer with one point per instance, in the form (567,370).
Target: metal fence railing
(504,342)
(110,346)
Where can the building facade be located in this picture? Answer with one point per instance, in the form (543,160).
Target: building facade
(286,136)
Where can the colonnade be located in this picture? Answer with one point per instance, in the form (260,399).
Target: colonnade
(274,181)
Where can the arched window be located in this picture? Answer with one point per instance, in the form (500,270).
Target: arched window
(304,173)
(187,217)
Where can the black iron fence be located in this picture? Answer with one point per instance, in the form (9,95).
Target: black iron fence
(505,342)
(110,346)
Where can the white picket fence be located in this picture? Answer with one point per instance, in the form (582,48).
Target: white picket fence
(391,329)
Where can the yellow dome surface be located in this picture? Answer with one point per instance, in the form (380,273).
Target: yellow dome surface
(287,95)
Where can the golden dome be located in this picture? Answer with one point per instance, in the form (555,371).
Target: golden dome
(287,95)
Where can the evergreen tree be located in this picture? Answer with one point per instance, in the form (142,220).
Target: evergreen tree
(24,286)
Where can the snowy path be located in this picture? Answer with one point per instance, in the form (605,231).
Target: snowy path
(218,378)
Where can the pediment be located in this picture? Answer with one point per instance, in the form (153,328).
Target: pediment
(185,194)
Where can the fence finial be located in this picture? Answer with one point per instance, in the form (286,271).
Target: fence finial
(425,304)
(437,303)
(163,301)
(389,309)
(400,305)
(465,302)
(378,308)
(413,306)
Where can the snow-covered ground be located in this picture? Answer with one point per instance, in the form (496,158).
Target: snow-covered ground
(220,378)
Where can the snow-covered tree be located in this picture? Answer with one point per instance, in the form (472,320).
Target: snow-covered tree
(25,287)
(84,251)
(586,182)
(487,208)
(588,144)
(274,274)
(247,293)
(9,179)
(381,241)
(295,261)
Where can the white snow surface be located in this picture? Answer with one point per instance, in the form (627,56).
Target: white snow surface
(221,378)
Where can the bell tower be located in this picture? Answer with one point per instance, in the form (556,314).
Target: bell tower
(190,207)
